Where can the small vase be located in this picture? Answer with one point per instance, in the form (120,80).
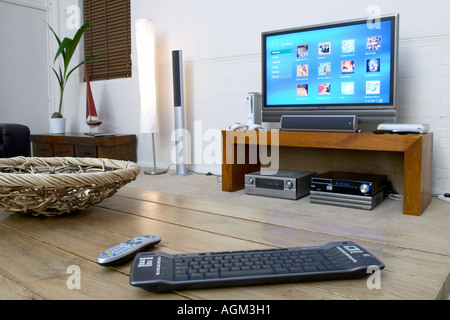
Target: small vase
(57,125)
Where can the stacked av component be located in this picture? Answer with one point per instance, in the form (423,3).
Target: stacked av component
(286,184)
(348,189)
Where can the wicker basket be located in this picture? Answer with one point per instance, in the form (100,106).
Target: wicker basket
(53,186)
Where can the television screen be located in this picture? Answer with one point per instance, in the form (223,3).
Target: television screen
(338,66)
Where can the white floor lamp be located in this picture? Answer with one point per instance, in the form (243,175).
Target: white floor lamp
(145,45)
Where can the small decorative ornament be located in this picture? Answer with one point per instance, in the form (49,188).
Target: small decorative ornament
(91,112)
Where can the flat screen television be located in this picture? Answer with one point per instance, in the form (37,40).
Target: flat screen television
(340,68)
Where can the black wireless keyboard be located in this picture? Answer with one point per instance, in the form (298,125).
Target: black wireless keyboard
(159,271)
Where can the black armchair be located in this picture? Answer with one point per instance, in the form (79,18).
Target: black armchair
(14,140)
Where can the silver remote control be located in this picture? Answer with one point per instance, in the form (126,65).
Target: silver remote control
(126,250)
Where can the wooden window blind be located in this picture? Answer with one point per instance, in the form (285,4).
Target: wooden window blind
(110,36)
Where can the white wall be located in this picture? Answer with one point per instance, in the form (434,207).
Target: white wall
(221,48)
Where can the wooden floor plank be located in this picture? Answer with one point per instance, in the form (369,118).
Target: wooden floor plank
(11,290)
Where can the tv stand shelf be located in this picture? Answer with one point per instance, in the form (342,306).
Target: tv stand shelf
(416,151)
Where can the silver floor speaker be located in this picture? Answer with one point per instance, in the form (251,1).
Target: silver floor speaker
(178,97)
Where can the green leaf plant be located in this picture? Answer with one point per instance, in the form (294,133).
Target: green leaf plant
(66,49)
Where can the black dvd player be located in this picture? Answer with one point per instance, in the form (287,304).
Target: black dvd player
(364,184)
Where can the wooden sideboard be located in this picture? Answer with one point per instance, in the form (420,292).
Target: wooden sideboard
(120,147)
(414,150)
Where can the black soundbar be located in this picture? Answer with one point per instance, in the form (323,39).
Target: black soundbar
(340,123)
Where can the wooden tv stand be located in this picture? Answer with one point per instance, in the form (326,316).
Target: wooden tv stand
(416,151)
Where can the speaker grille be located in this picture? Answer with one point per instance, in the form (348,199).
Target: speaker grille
(177,81)
(320,123)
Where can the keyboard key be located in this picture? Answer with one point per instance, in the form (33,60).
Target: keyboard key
(246,273)
(212,275)
(296,270)
(181,276)
(281,270)
(196,276)
(310,269)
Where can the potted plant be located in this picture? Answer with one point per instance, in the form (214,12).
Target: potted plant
(66,49)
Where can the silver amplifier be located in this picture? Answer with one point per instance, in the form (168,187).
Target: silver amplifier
(286,184)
